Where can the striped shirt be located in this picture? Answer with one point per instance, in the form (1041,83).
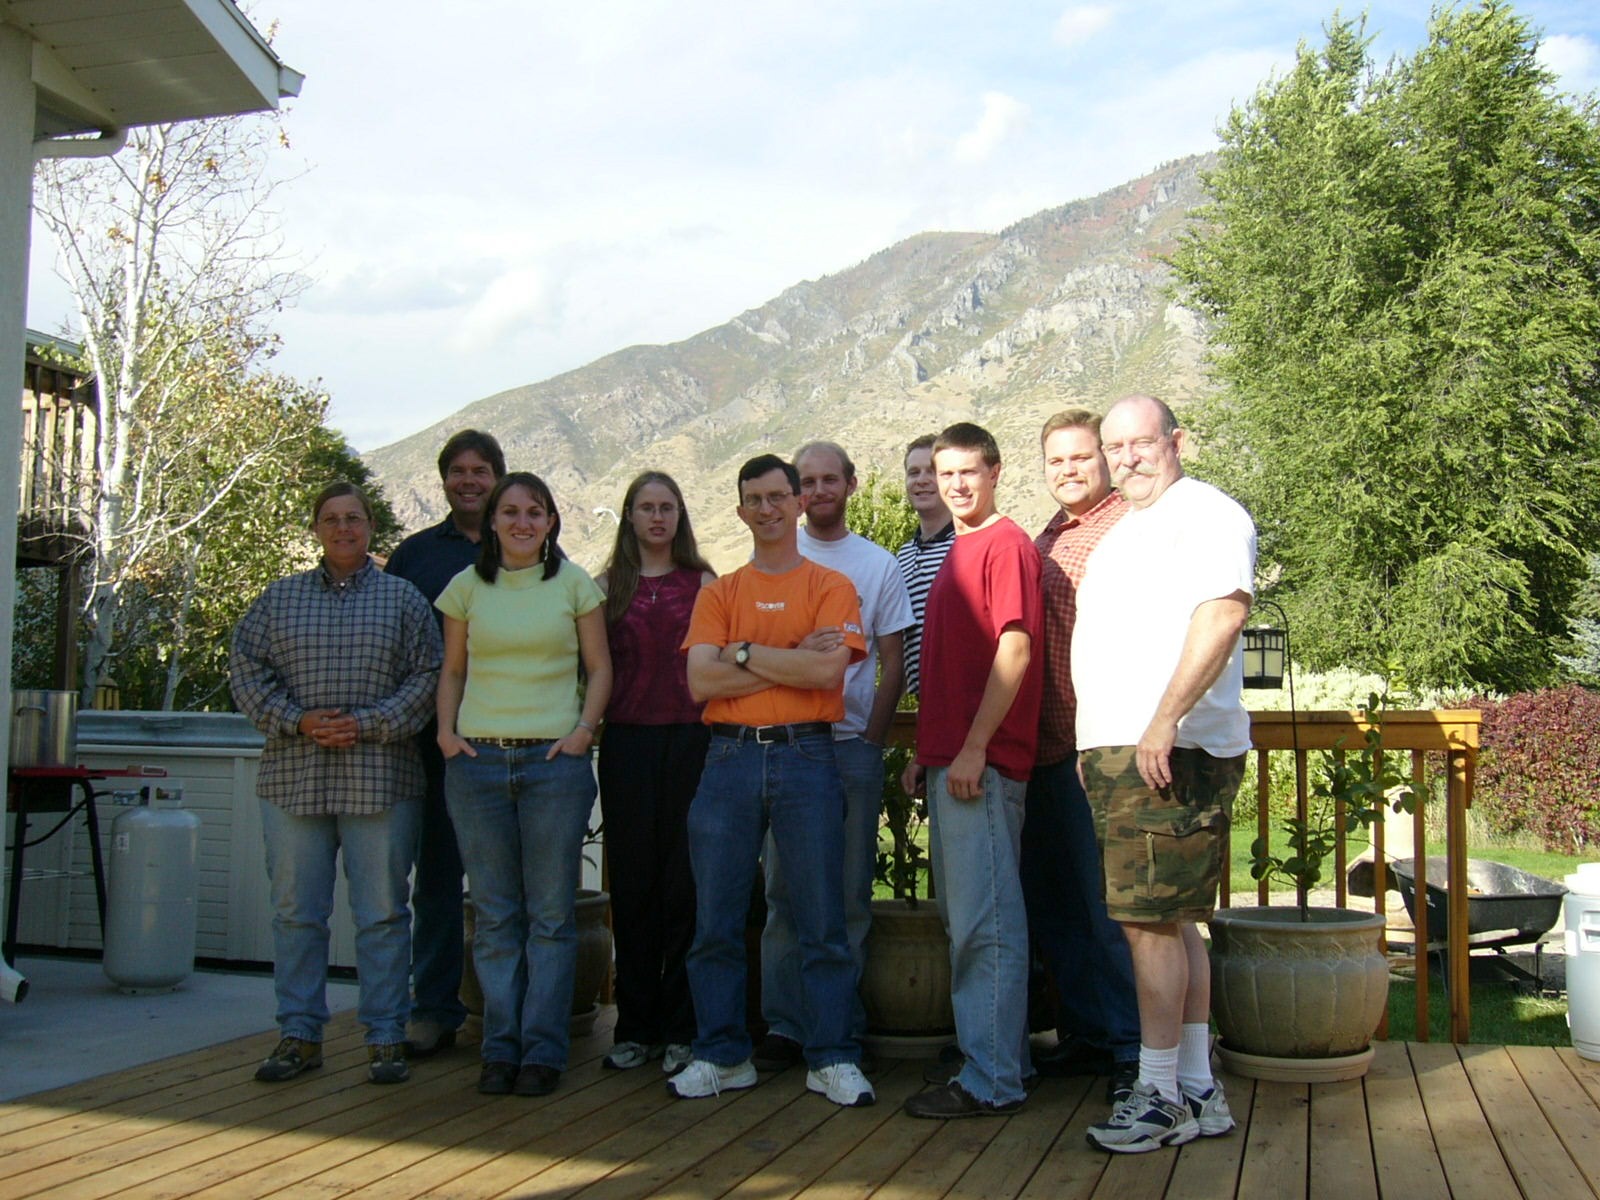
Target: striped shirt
(1064,546)
(920,560)
(367,645)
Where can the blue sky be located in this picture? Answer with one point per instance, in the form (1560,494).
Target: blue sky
(517,188)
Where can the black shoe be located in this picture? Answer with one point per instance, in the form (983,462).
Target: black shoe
(951,1101)
(387,1064)
(290,1057)
(497,1079)
(943,1071)
(536,1079)
(1073,1056)
(777,1053)
(1120,1086)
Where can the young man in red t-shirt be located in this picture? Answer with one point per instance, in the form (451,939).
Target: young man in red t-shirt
(975,749)
(768,645)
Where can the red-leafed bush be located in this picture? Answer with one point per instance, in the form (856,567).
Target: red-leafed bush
(1539,766)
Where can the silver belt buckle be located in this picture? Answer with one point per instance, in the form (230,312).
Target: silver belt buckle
(768,735)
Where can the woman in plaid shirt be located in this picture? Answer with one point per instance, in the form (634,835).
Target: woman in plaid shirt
(338,666)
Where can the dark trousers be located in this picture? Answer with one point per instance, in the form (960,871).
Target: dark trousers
(648,777)
(436,933)
(1064,891)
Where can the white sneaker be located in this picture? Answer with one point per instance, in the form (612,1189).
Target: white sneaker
(1145,1121)
(843,1083)
(625,1056)
(701,1078)
(676,1057)
(1210,1110)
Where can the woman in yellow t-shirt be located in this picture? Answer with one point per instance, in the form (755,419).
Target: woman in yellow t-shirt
(516,734)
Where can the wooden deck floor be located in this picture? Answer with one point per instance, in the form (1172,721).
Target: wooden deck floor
(1429,1121)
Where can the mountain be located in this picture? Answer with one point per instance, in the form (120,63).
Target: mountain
(1069,306)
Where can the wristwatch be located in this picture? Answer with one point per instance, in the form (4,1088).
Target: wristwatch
(741,656)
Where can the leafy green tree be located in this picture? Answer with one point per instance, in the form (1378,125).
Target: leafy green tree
(171,252)
(880,512)
(1402,269)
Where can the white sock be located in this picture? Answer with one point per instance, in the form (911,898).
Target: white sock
(1194,1058)
(1159,1069)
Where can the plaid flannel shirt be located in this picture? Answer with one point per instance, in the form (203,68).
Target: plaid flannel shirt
(368,646)
(1064,547)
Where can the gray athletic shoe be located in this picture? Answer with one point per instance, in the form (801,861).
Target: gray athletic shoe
(1145,1122)
(1210,1111)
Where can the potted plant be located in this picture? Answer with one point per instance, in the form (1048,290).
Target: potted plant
(1297,993)
(905,983)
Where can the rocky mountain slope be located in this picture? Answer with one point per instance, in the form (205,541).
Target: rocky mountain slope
(1069,306)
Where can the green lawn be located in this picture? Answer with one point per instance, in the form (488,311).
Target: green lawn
(1502,1014)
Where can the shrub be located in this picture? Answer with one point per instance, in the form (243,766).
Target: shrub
(1539,766)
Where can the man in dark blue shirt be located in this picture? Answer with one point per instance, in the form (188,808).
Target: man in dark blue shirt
(470,464)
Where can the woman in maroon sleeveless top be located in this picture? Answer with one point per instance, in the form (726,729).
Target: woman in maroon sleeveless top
(650,760)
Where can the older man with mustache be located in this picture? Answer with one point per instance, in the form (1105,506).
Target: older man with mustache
(1162,734)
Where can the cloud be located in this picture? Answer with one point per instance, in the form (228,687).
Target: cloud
(1573,57)
(519,299)
(1003,116)
(1081,22)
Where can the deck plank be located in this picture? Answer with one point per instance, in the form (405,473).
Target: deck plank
(1403,1150)
(1564,1103)
(71,1111)
(812,1156)
(1070,1169)
(1276,1153)
(1430,1122)
(1466,1146)
(1531,1148)
(1341,1144)
(727,1166)
(114,1143)
(1208,1169)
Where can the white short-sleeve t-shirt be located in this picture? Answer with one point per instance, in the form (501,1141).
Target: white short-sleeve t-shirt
(1139,591)
(885,608)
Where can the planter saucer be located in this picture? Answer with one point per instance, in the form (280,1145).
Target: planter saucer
(1295,1070)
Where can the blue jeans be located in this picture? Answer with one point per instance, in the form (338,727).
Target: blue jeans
(975,846)
(301,853)
(793,787)
(521,820)
(1063,885)
(861,772)
(436,938)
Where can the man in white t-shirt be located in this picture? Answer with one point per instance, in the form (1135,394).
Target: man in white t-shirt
(827,481)
(1162,734)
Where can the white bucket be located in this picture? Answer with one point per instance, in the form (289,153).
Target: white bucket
(1581,915)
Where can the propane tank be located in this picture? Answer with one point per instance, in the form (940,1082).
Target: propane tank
(151,895)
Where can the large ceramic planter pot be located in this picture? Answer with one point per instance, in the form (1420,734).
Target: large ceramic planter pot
(1297,1000)
(594,961)
(905,984)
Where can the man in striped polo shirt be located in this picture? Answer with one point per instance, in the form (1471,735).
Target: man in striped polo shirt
(923,553)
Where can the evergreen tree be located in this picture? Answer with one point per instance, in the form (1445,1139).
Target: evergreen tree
(1402,268)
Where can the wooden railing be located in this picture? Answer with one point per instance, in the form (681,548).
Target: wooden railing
(59,417)
(1452,734)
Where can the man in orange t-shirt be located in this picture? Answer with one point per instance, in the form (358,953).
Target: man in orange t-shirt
(768,646)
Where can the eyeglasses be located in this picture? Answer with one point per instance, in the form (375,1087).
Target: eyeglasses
(755,503)
(348,521)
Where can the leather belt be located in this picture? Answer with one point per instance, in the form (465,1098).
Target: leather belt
(765,735)
(512,743)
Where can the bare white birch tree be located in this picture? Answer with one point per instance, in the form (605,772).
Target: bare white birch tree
(172,252)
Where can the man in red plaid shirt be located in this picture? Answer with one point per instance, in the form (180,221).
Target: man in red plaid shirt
(1085,951)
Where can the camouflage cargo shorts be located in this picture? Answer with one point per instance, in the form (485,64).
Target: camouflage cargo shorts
(1162,849)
